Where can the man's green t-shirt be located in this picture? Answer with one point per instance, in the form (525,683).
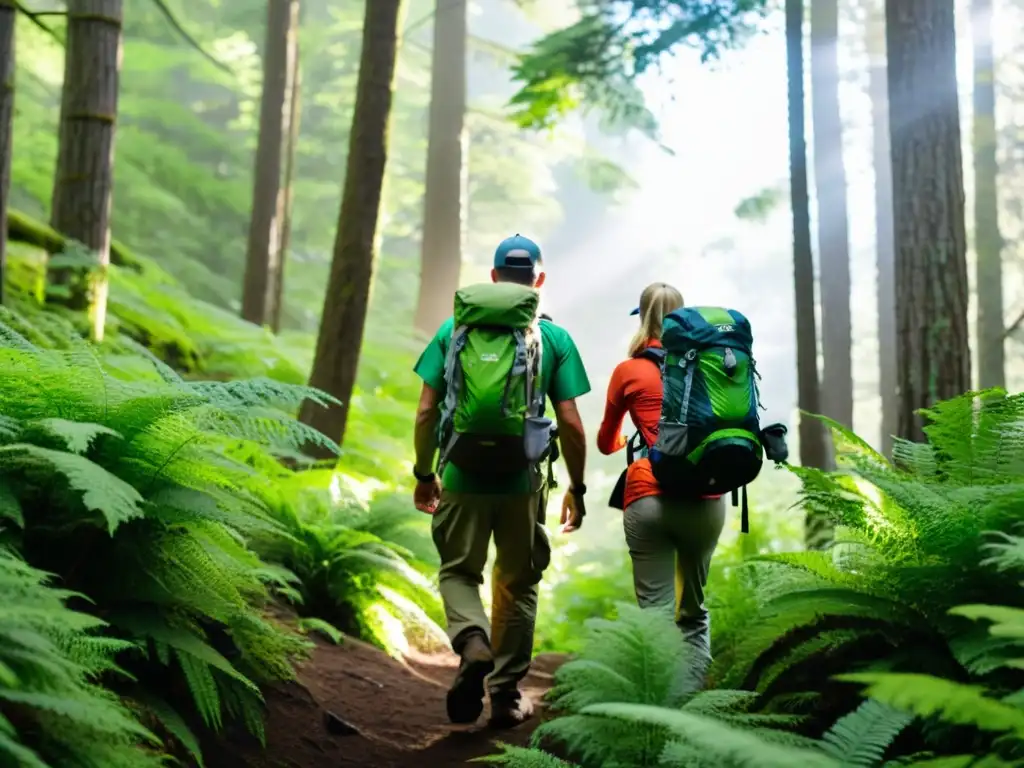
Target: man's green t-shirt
(562,378)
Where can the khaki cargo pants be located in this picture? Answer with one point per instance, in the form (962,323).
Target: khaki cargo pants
(462,529)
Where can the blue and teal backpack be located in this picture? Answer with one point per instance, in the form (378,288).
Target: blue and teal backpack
(709,434)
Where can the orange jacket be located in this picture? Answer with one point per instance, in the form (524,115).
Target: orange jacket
(635,387)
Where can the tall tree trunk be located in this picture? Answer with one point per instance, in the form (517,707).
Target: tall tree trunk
(263,255)
(444,197)
(348,289)
(988,242)
(84,179)
(933,360)
(878,87)
(833,228)
(813,452)
(8,18)
(287,196)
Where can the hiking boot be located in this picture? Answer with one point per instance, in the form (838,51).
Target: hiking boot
(509,709)
(466,696)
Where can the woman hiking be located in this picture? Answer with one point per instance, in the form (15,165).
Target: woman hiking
(670,539)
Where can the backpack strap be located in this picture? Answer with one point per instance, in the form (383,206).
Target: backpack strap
(452,386)
(655,354)
(744,511)
(631,449)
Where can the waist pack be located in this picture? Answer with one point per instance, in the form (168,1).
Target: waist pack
(710,440)
(492,419)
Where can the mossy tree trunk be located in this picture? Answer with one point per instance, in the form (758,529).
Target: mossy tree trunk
(988,241)
(813,451)
(84,179)
(348,289)
(933,359)
(263,255)
(8,18)
(833,225)
(878,87)
(445,193)
(287,196)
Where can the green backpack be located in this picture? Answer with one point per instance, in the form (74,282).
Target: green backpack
(492,419)
(710,440)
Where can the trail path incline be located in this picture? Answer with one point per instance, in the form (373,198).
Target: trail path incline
(356,706)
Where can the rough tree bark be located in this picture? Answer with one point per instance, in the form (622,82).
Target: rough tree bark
(8,18)
(263,255)
(878,88)
(833,226)
(84,178)
(988,242)
(348,290)
(444,196)
(287,196)
(933,359)
(813,451)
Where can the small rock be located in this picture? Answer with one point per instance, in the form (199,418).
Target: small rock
(336,726)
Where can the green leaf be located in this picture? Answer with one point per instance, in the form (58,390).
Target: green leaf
(101,491)
(725,744)
(77,435)
(928,696)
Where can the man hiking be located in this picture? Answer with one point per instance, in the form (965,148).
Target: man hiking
(486,375)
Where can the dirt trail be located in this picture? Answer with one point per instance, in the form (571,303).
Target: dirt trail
(386,714)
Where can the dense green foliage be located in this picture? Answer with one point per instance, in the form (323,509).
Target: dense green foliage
(161,506)
(164,546)
(899,610)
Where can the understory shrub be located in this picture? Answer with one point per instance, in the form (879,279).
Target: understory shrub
(137,494)
(898,610)
(50,660)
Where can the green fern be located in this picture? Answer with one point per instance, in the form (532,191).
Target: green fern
(49,660)
(861,738)
(955,703)
(521,757)
(313,624)
(711,741)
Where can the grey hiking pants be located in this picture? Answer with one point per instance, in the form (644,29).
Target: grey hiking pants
(671,543)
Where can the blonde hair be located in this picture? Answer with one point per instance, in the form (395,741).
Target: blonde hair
(657,300)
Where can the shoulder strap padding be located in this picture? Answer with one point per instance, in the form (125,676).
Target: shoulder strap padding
(654,354)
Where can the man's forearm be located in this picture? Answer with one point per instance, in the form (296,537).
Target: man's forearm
(573,440)
(425,440)
(574,451)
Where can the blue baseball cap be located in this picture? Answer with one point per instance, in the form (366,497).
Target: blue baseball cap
(635,311)
(516,252)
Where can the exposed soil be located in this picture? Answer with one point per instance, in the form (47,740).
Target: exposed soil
(356,706)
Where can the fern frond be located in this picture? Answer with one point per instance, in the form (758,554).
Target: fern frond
(928,696)
(522,757)
(101,491)
(312,624)
(860,739)
(732,746)
(76,436)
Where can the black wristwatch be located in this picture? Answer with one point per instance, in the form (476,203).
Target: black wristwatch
(579,490)
(428,478)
